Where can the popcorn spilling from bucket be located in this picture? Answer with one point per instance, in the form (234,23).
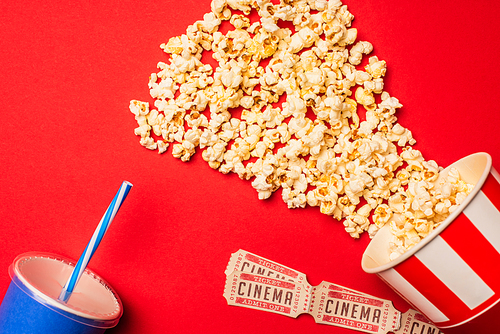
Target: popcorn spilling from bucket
(294,104)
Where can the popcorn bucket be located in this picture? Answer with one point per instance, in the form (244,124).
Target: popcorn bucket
(453,275)
(31,304)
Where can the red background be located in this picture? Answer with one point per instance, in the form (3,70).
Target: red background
(68,72)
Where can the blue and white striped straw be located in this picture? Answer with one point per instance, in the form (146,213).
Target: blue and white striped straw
(95,240)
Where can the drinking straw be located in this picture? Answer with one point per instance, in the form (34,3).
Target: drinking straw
(95,240)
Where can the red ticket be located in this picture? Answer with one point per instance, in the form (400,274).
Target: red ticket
(414,322)
(247,262)
(266,294)
(335,305)
(258,283)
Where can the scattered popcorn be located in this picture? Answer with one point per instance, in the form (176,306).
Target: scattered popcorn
(314,146)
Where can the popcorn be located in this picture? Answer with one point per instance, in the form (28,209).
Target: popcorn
(401,135)
(214,154)
(294,199)
(148,143)
(219,8)
(143,131)
(183,151)
(376,67)
(242,5)
(381,215)
(304,38)
(357,51)
(240,21)
(162,146)
(427,204)
(366,98)
(311,142)
(264,189)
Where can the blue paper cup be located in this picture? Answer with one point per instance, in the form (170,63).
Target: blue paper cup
(31,302)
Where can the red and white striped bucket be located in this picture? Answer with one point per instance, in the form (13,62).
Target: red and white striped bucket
(453,275)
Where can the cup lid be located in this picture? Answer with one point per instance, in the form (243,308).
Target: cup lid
(42,276)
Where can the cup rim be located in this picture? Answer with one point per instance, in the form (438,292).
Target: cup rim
(73,313)
(403,257)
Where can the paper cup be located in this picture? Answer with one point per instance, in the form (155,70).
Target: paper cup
(31,302)
(453,275)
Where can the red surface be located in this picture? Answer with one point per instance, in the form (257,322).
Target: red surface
(68,72)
